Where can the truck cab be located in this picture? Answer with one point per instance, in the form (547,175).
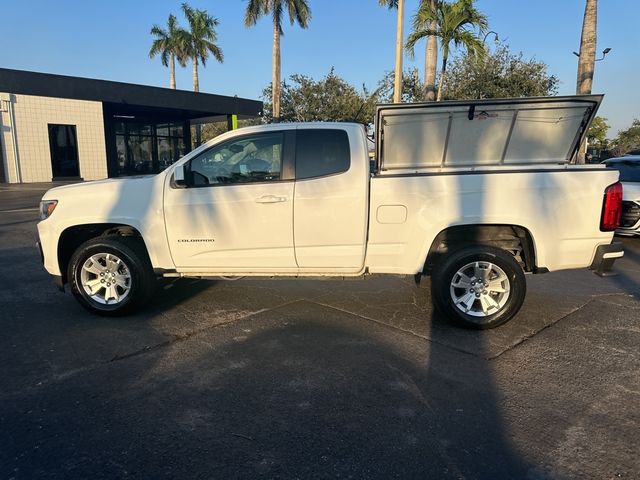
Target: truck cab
(285,199)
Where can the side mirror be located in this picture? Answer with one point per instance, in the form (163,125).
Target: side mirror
(179,177)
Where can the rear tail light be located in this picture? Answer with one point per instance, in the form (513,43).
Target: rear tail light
(611,208)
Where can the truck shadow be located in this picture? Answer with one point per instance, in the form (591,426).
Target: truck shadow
(468,409)
(302,391)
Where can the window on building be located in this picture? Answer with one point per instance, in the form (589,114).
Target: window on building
(321,152)
(63,144)
(144,148)
(170,141)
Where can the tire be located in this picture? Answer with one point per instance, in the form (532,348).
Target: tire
(118,272)
(478,287)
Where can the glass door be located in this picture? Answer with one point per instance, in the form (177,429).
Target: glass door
(63,144)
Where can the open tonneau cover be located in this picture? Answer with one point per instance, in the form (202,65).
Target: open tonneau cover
(491,132)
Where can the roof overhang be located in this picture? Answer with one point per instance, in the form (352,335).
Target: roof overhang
(125,94)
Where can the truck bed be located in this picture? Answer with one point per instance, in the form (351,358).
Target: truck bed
(559,205)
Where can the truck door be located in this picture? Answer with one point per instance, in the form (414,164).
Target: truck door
(331,198)
(236,213)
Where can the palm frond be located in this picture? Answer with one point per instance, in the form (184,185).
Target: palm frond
(255,10)
(209,47)
(181,41)
(158,47)
(454,23)
(199,41)
(188,12)
(390,4)
(471,43)
(299,12)
(276,13)
(415,36)
(424,15)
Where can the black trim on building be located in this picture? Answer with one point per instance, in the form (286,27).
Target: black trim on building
(192,104)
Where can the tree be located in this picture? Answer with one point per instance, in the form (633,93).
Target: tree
(169,44)
(587,57)
(299,12)
(200,40)
(586,60)
(431,52)
(328,99)
(213,129)
(412,88)
(431,60)
(397,82)
(501,74)
(597,134)
(454,23)
(628,139)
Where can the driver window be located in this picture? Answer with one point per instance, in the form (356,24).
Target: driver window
(253,158)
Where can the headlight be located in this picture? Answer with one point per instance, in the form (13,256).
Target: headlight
(46,208)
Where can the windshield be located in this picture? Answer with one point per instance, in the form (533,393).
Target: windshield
(629,171)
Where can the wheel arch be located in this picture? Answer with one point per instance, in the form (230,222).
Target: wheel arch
(72,237)
(515,239)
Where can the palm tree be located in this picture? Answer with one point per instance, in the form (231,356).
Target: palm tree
(200,39)
(169,45)
(397,77)
(453,23)
(299,12)
(587,57)
(586,60)
(431,60)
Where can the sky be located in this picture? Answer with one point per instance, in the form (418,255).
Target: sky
(109,39)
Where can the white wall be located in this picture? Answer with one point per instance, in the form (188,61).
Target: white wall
(32,114)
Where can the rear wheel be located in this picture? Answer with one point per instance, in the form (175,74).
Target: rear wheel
(479,287)
(111,275)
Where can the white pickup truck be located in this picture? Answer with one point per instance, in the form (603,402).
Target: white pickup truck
(474,193)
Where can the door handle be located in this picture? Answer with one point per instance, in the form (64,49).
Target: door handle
(271,199)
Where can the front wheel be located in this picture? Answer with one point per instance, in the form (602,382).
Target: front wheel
(111,275)
(479,287)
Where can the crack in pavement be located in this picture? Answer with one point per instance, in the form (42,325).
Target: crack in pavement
(593,298)
(393,327)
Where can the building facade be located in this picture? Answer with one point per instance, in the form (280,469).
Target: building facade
(45,138)
(54,127)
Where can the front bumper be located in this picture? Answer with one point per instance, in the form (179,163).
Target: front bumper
(605,257)
(57,279)
(41,252)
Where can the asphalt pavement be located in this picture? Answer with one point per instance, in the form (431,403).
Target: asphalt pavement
(313,378)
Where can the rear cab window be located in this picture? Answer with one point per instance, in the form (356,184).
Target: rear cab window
(321,152)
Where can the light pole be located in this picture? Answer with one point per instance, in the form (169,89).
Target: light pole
(604,54)
(583,149)
(497,39)
(482,69)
